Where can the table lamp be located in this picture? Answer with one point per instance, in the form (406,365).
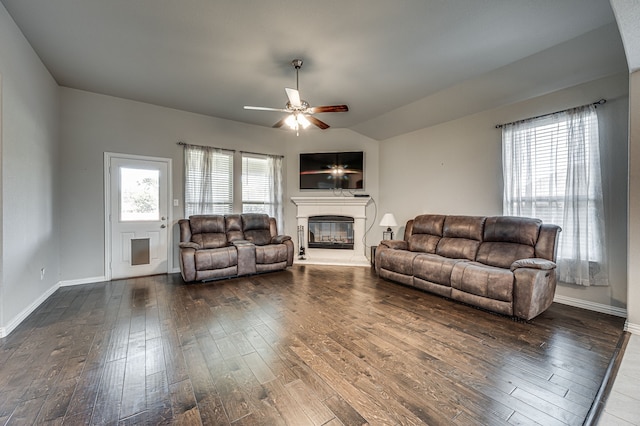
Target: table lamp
(388,220)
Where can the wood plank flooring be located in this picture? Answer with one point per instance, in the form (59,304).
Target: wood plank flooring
(313,345)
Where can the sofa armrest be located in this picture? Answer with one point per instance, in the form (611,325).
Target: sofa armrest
(194,246)
(533,263)
(187,259)
(395,244)
(533,289)
(279,239)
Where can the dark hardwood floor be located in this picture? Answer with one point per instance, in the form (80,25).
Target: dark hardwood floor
(315,345)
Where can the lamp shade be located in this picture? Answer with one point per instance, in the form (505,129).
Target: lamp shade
(388,220)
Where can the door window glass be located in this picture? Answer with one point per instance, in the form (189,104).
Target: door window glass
(139,194)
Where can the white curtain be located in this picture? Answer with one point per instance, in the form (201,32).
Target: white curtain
(552,171)
(208,182)
(275,177)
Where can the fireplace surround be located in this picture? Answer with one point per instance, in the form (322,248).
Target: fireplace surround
(353,208)
(330,232)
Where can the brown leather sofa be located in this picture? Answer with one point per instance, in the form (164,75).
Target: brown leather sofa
(223,246)
(503,264)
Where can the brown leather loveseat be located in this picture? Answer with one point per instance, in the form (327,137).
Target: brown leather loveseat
(503,264)
(223,246)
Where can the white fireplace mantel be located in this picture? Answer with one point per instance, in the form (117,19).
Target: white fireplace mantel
(354,207)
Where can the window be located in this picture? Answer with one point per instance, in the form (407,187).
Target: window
(208,183)
(209,176)
(551,168)
(262,185)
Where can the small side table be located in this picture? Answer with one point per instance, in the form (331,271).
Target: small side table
(373,255)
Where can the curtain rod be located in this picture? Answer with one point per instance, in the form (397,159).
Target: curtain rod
(599,102)
(204,146)
(261,153)
(231,150)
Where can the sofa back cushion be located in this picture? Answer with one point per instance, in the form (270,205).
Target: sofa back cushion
(256,228)
(208,231)
(507,239)
(426,233)
(233,227)
(461,237)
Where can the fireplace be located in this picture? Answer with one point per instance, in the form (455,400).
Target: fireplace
(330,232)
(330,223)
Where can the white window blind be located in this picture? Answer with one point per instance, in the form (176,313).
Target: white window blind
(256,188)
(208,180)
(262,185)
(551,170)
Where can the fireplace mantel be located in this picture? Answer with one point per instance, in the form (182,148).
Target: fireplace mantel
(331,201)
(354,207)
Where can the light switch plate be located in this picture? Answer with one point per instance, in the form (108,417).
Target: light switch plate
(176,202)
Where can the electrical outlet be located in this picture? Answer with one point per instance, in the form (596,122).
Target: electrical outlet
(42,273)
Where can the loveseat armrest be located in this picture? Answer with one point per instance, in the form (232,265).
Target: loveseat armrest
(395,244)
(279,239)
(191,245)
(246,256)
(533,263)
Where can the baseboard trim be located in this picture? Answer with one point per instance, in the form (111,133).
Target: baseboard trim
(592,306)
(632,328)
(15,322)
(90,280)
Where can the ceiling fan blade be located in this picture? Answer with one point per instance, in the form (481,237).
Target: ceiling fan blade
(265,108)
(329,108)
(317,122)
(294,97)
(279,123)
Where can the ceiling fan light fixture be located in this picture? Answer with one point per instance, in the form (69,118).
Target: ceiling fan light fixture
(303,121)
(300,112)
(291,121)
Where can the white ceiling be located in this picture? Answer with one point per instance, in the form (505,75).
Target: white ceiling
(380,57)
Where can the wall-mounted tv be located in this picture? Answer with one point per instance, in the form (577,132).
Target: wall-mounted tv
(332,170)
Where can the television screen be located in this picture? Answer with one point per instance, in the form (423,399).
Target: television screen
(332,170)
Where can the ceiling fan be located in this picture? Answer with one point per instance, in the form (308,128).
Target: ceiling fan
(300,113)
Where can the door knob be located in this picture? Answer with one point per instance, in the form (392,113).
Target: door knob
(163,226)
(163,218)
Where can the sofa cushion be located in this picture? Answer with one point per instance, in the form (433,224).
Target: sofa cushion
(503,255)
(233,227)
(428,224)
(423,243)
(507,239)
(399,261)
(426,233)
(510,229)
(482,280)
(256,228)
(461,237)
(216,258)
(272,253)
(208,231)
(434,268)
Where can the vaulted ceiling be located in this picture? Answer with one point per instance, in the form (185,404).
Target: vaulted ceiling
(399,65)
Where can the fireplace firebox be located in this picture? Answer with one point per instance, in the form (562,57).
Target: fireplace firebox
(331,232)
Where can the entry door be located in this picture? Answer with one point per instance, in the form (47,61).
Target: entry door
(138,216)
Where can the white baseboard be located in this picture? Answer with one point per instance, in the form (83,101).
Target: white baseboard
(592,306)
(6,330)
(632,328)
(175,271)
(90,280)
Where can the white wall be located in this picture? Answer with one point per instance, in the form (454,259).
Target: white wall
(92,124)
(29,217)
(633,309)
(456,168)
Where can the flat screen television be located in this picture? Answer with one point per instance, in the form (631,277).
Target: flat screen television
(332,170)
